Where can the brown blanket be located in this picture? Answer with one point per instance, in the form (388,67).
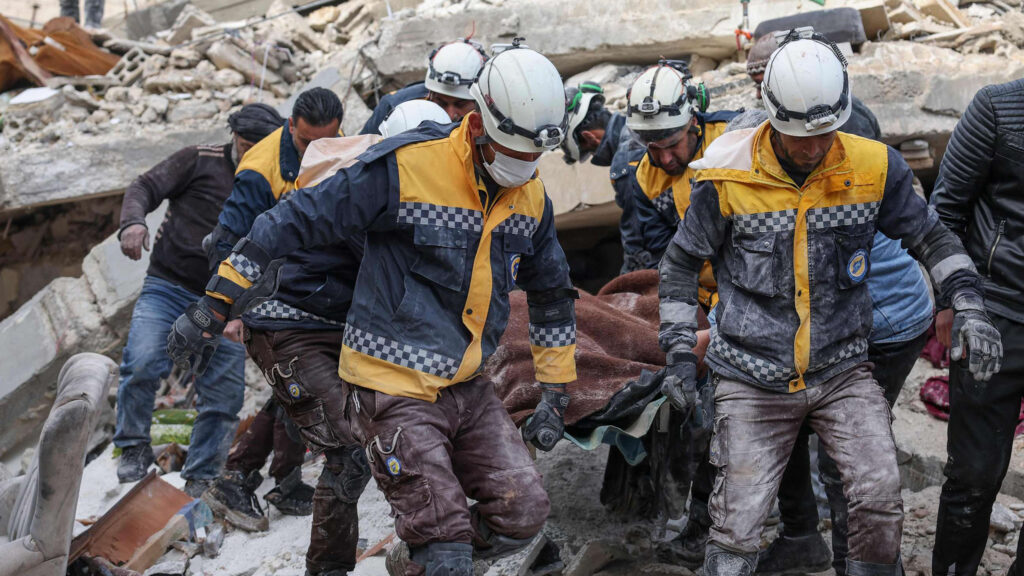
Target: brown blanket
(616,339)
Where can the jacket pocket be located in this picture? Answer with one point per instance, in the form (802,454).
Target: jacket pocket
(853,257)
(441,255)
(514,248)
(753,263)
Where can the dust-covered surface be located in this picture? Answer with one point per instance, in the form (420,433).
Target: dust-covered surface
(573,479)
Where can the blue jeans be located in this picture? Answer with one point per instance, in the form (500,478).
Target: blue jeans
(145,362)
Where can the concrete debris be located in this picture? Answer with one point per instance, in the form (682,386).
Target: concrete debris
(1003,520)
(189,19)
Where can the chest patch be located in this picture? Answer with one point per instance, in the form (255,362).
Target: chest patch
(857,267)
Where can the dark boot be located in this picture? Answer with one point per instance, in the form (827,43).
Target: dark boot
(134,463)
(856,568)
(687,548)
(195,487)
(795,555)
(233,496)
(721,562)
(292,496)
(445,559)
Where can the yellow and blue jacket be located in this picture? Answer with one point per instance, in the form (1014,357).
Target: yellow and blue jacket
(661,198)
(316,285)
(791,260)
(442,251)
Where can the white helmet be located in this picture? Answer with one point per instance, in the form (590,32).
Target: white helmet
(521,100)
(806,89)
(408,115)
(659,99)
(453,67)
(577,105)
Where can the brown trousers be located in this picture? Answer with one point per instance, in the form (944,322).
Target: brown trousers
(428,458)
(302,368)
(754,434)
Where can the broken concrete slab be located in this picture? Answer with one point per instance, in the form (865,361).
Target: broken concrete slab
(70,315)
(575,36)
(90,165)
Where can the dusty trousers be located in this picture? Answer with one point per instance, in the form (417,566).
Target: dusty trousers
(271,431)
(982,420)
(427,458)
(302,368)
(893,362)
(755,431)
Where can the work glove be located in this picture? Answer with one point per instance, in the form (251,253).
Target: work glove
(547,425)
(133,239)
(975,339)
(193,338)
(680,382)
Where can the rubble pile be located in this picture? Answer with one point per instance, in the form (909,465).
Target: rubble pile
(197,72)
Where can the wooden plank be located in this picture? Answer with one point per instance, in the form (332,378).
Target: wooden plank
(155,546)
(142,512)
(875,18)
(944,11)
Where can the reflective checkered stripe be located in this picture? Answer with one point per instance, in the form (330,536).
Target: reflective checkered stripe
(853,348)
(401,354)
(435,215)
(764,222)
(665,201)
(832,216)
(552,337)
(249,270)
(519,225)
(762,370)
(277,310)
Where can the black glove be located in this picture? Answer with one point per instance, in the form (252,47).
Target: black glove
(984,347)
(547,425)
(680,383)
(187,345)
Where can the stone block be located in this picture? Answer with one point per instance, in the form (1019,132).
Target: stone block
(188,110)
(943,11)
(189,19)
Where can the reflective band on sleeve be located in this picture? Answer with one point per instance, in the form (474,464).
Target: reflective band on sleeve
(552,337)
(676,312)
(947,266)
(249,270)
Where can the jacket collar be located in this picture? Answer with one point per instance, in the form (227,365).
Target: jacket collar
(290,160)
(610,142)
(765,165)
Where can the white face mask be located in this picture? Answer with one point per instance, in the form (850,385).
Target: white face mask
(509,172)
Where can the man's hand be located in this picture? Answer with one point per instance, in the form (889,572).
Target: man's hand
(680,383)
(547,425)
(976,339)
(944,327)
(133,239)
(233,330)
(193,337)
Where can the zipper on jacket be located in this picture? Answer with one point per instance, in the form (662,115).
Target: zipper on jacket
(992,252)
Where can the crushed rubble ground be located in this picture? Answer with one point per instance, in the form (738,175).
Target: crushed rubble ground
(85,139)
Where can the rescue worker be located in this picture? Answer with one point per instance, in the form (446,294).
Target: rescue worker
(901,314)
(451,70)
(196,180)
(598,134)
(787,351)
(454,218)
(665,112)
(269,171)
(978,197)
(295,339)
